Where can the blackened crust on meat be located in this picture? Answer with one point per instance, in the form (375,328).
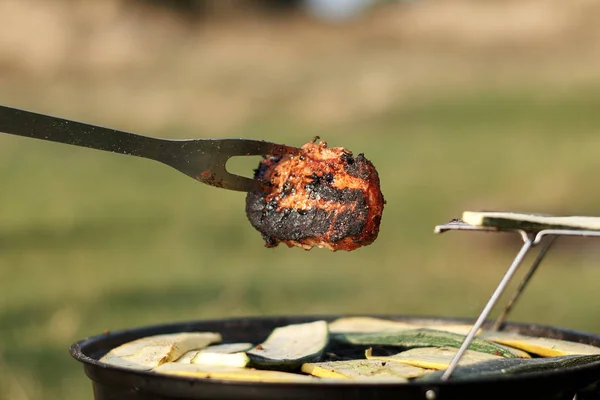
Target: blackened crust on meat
(321,197)
(344,196)
(297,225)
(356,166)
(259,173)
(346,225)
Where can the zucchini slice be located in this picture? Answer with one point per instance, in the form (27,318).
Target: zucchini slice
(370,324)
(495,368)
(421,338)
(433,357)
(149,352)
(288,347)
(363,369)
(225,348)
(529,222)
(544,347)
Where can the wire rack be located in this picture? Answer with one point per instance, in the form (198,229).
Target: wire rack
(542,239)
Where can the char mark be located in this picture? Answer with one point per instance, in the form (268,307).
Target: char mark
(357,166)
(298,225)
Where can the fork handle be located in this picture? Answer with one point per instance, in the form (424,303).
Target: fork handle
(39,126)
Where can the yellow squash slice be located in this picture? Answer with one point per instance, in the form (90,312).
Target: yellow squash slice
(544,347)
(229,373)
(433,357)
(363,370)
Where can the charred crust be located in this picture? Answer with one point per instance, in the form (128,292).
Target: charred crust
(347,224)
(347,159)
(270,241)
(259,173)
(285,224)
(320,187)
(328,193)
(357,166)
(297,225)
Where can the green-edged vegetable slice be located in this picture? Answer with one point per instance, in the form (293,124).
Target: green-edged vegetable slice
(288,347)
(518,353)
(420,338)
(529,222)
(150,352)
(371,324)
(229,373)
(433,357)
(544,347)
(363,369)
(367,324)
(513,366)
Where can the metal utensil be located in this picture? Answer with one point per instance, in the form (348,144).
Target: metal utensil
(201,159)
(531,238)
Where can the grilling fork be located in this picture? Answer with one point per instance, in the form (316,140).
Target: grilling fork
(202,159)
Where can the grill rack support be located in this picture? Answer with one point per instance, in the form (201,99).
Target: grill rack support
(530,240)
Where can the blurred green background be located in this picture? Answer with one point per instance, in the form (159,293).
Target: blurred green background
(460,104)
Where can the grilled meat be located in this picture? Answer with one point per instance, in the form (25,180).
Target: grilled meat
(322,197)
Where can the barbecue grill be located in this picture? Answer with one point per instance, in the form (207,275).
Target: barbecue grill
(114,383)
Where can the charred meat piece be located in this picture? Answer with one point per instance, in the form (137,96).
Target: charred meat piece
(322,197)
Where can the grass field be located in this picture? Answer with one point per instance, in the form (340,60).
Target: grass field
(91,241)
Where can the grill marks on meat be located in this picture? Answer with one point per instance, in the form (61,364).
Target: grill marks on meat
(321,197)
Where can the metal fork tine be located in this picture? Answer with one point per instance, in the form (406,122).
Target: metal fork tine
(224,149)
(217,175)
(221,150)
(246,147)
(255,147)
(241,183)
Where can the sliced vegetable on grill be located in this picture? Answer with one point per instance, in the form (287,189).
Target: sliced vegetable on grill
(352,349)
(239,359)
(370,324)
(363,369)
(229,373)
(545,347)
(149,352)
(513,366)
(518,353)
(529,222)
(433,357)
(288,347)
(421,338)
(187,357)
(225,348)
(367,324)
(461,329)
